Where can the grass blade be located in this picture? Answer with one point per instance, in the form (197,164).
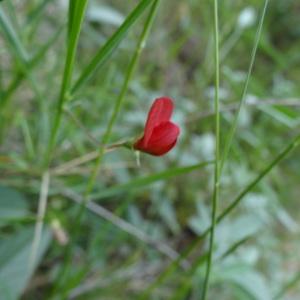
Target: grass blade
(295,143)
(230,135)
(42,206)
(22,58)
(110,46)
(216,191)
(14,84)
(147,180)
(121,97)
(34,17)
(68,71)
(13,38)
(174,265)
(64,272)
(71,13)
(183,290)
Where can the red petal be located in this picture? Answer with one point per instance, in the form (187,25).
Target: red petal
(160,112)
(162,140)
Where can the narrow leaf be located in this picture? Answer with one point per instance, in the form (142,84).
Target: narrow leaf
(110,46)
(144,181)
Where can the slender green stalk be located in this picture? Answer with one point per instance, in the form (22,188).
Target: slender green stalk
(144,181)
(31,64)
(66,80)
(110,46)
(120,100)
(71,13)
(44,49)
(230,135)
(28,140)
(18,79)
(234,247)
(182,291)
(76,21)
(19,51)
(34,17)
(215,199)
(24,64)
(42,206)
(173,266)
(107,133)
(169,270)
(12,37)
(280,157)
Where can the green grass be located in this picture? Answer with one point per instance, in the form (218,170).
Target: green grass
(214,218)
(217,171)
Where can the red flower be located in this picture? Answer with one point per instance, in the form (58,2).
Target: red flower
(160,135)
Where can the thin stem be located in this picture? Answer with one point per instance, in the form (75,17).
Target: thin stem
(40,219)
(90,185)
(66,80)
(230,135)
(215,199)
(120,100)
(109,47)
(279,158)
(13,85)
(77,122)
(182,291)
(67,166)
(257,103)
(172,267)
(67,76)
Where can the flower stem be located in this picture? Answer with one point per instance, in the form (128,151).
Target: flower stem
(72,42)
(217,155)
(106,137)
(230,135)
(118,105)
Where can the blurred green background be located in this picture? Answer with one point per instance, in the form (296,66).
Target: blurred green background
(143,216)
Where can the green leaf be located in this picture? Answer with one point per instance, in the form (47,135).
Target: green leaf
(17,80)
(76,15)
(147,180)
(12,204)
(20,55)
(284,115)
(14,256)
(12,38)
(233,127)
(110,46)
